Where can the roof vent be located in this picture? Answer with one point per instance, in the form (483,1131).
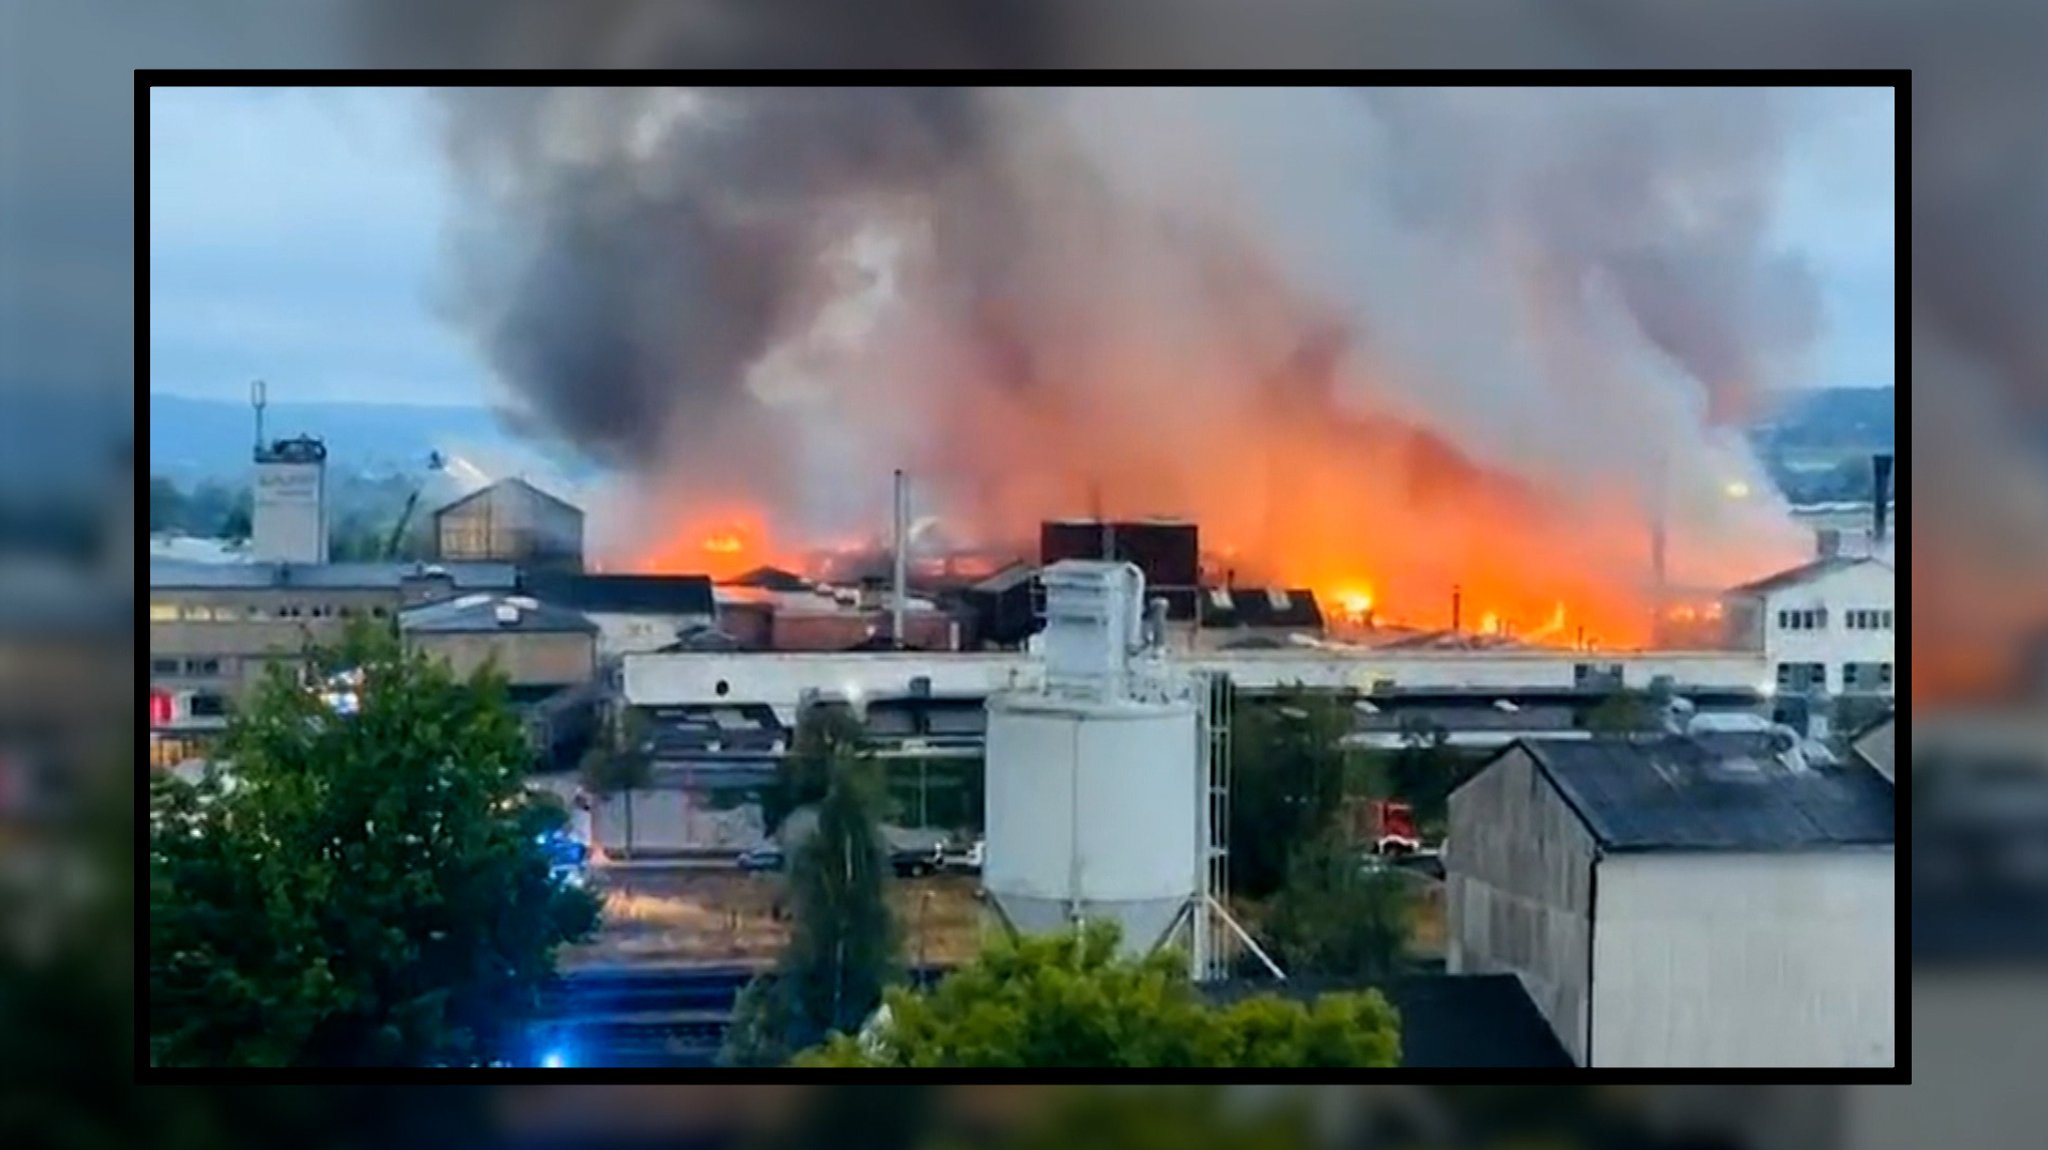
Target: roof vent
(507,615)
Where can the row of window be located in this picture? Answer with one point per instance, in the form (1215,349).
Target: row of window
(1816,619)
(201,613)
(204,667)
(1794,677)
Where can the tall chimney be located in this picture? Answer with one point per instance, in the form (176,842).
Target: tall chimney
(1881,483)
(900,588)
(1457,609)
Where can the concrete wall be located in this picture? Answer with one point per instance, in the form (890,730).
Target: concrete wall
(1518,868)
(675,819)
(526,658)
(1744,960)
(779,679)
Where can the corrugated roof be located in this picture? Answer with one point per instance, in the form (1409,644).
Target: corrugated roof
(1714,792)
(1802,574)
(625,594)
(493,613)
(177,575)
(1448,1021)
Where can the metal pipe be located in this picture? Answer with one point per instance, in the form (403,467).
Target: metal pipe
(901,582)
(1881,481)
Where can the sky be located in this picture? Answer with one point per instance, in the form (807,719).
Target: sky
(295,236)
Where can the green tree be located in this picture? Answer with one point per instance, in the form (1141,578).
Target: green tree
(620,765)
(1069,999)
(1336,918)
(843,949)
(1622,714)
(1287,785)
(1426,769)
(826,736)
(368,889)
(166,505)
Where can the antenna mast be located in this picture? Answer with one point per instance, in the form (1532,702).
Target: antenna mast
(259,397)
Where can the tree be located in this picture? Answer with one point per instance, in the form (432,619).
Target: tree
(620,765)
(826,737)
(1426,769)
(1069,1000)
(1622,714)
(843,950)
(369,890)
(1335,918)
(1287,785)
(166,504)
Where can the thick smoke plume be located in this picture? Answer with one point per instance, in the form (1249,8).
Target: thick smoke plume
(1324,322)
(1979,221)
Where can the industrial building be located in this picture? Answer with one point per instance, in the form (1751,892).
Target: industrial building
(632,613)
(288,514)
(548,656)
(214,628)
(511,521)
(1683,901)
(1829,626)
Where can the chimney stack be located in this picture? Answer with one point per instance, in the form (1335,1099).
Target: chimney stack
(1881,483)
(900,590)
(1457,609)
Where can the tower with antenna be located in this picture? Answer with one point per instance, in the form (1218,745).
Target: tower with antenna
(288,515)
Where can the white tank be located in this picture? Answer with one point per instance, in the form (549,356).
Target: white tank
(1094,809)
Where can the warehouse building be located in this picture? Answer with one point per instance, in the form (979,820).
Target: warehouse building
(511,521)
(1829,626)
(1683,901)
(547,655)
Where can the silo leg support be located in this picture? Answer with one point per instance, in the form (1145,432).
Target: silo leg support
(1244,937)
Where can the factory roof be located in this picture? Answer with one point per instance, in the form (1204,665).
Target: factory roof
(1006,579)
(1804,573)
(172,574)
(770,579)
(1448,1021)
(507,484)
(625,594)
(1261,607)
(493,613)
(1730,792)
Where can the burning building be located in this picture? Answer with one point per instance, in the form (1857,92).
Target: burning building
(1378,346)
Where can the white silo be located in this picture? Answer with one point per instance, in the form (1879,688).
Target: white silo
(1101,779)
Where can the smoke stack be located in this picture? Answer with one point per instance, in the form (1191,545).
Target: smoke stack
(1881,482)
(258,399)
(1457,610)
(900,584)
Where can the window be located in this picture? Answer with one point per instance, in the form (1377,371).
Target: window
(377,612)
(1801,677)
(202,666)
(163,666)
(1866,678)
(1803,619)
(207,706)
(1869,620)
(163,612)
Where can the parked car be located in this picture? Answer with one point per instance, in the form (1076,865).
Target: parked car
(968,861)
(917,863)
(762,858)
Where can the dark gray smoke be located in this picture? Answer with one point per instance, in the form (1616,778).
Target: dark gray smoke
(633,252)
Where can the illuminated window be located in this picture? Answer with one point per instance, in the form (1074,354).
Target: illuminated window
(163,612)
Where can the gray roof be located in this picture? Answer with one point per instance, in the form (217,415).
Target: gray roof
(626,594)
(171,574)
(1448,1021)
(481,613)
(1713,792)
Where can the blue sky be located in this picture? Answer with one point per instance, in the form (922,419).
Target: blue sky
(296,236)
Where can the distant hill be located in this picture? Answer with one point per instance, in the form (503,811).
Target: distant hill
(196,439)
(1834,417)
